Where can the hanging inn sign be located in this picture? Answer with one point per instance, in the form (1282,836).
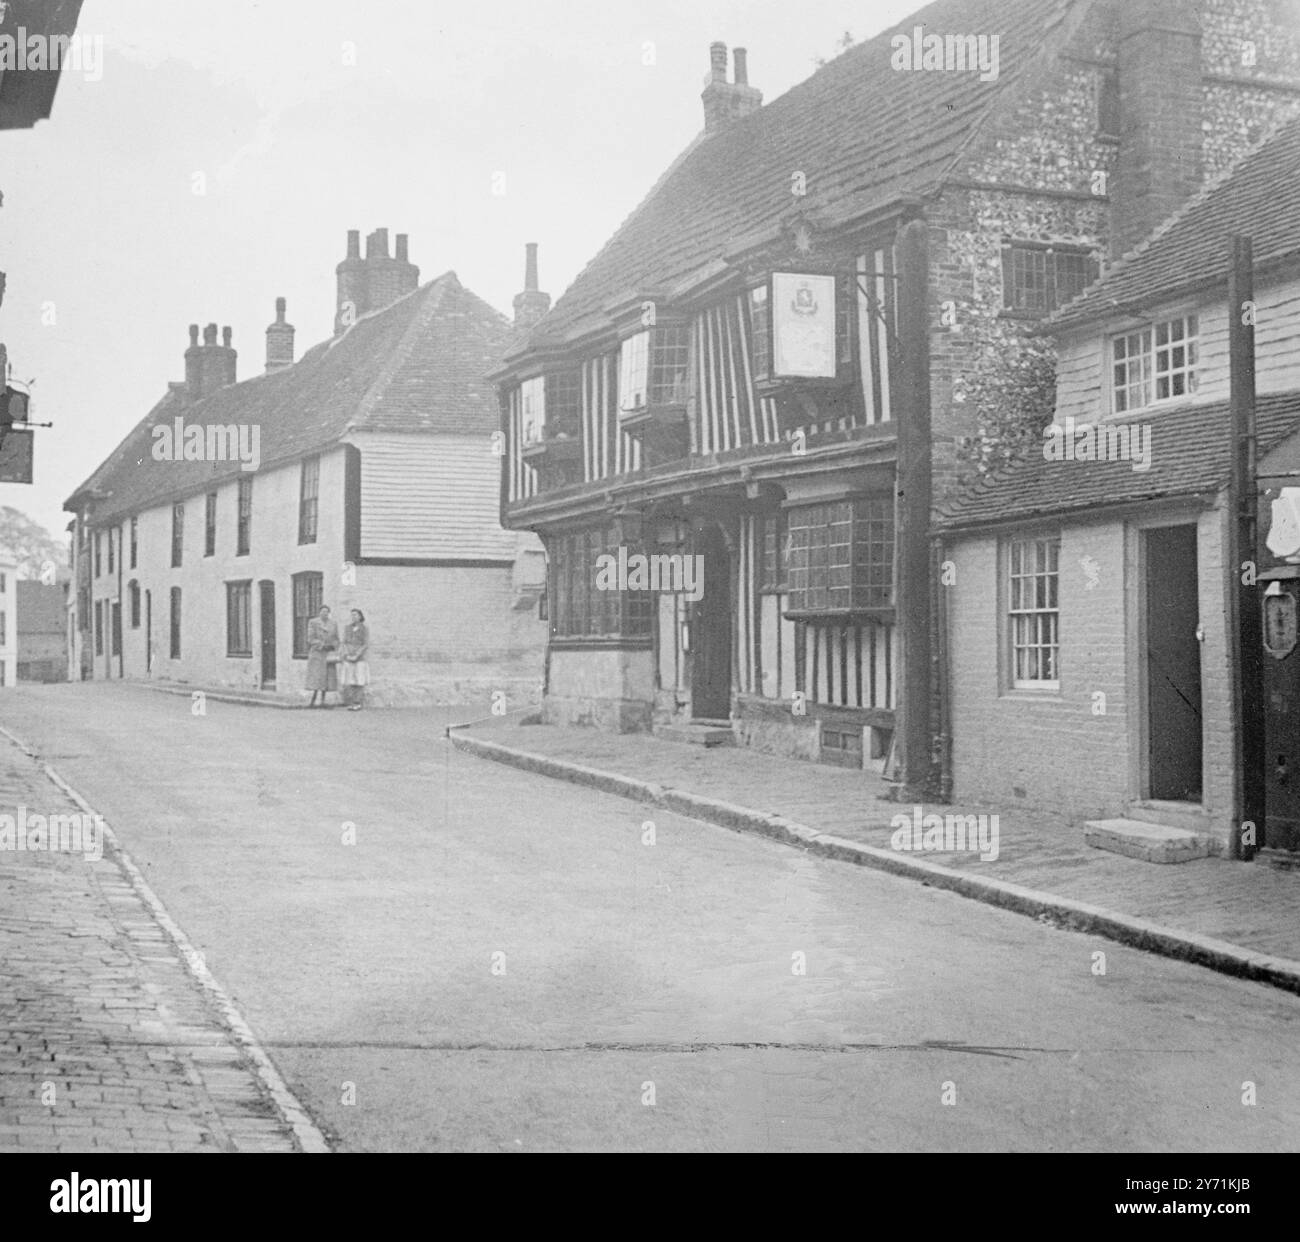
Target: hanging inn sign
(803,326)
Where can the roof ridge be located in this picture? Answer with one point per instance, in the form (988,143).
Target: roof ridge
(1211,186)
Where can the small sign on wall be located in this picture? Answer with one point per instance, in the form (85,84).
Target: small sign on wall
(803,325)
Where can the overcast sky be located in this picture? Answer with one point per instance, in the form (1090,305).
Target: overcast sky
(101,226)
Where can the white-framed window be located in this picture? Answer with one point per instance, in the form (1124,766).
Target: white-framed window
(634,371)
(1154,363)
(1033,615)
(532,406)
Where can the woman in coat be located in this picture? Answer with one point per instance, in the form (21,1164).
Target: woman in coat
(322,641)
(354,669)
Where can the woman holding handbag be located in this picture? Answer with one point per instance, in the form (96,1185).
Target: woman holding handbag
(322,648)
(354,669)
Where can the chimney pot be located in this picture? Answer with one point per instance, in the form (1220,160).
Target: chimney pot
(279,340)
(225,336)
(354,243)
(377,244)
(194,335)
(210,334)
(280,307)
(718,62)
(402,239)
(530,267)
(741,69)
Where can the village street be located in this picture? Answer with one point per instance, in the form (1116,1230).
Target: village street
(500,961)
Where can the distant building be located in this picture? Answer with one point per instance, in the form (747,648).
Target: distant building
(42,640)
(364,474)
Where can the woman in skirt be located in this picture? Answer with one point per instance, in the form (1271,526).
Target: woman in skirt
(322,642)
(354,670)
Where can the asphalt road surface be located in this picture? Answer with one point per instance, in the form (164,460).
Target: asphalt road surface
(441,953)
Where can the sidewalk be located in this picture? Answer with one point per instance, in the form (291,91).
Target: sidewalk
(1234,917)
(111,1037)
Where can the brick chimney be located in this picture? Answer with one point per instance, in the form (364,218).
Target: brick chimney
(725,102)
(531,304)
(208,366)
(1158,166)
(279,340)
(378,280)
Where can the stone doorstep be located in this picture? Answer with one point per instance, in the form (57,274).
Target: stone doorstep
(1154,843)
(695,734)
(1188,815)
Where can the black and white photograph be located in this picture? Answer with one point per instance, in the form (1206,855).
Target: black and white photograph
(650,578)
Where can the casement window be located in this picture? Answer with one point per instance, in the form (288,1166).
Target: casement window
(653,368)
(309,500)
(178,534)
(774,564)
(239,618)
(532,409)
(1154,363)
(244,521)
(175,624)
(210,524)
(111,561)
(116,614)
(308,595)
(577,607)
(841,556)
(135,541)
(133,594)
(760,332)
(1034,617)
(1038,279)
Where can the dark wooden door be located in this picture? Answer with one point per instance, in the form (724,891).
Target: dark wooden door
(267,595)
(1173,659)
(711,630)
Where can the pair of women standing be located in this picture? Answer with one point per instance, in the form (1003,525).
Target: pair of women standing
(334,662)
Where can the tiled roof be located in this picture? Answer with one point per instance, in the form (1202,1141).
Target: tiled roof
(1190,453)
(863,134)
(416,366)
(1259,197)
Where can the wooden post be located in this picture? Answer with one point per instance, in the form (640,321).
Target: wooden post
(1245,639)
(912,503)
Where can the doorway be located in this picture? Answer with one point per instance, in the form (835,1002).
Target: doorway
(266,590)
(1173,665)
(711,631)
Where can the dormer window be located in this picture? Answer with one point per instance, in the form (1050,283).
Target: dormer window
(1153,364)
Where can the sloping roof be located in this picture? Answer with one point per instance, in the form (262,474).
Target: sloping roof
(863,134)
(1259,197)
(416,366)
(41,609)
(1190,454)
